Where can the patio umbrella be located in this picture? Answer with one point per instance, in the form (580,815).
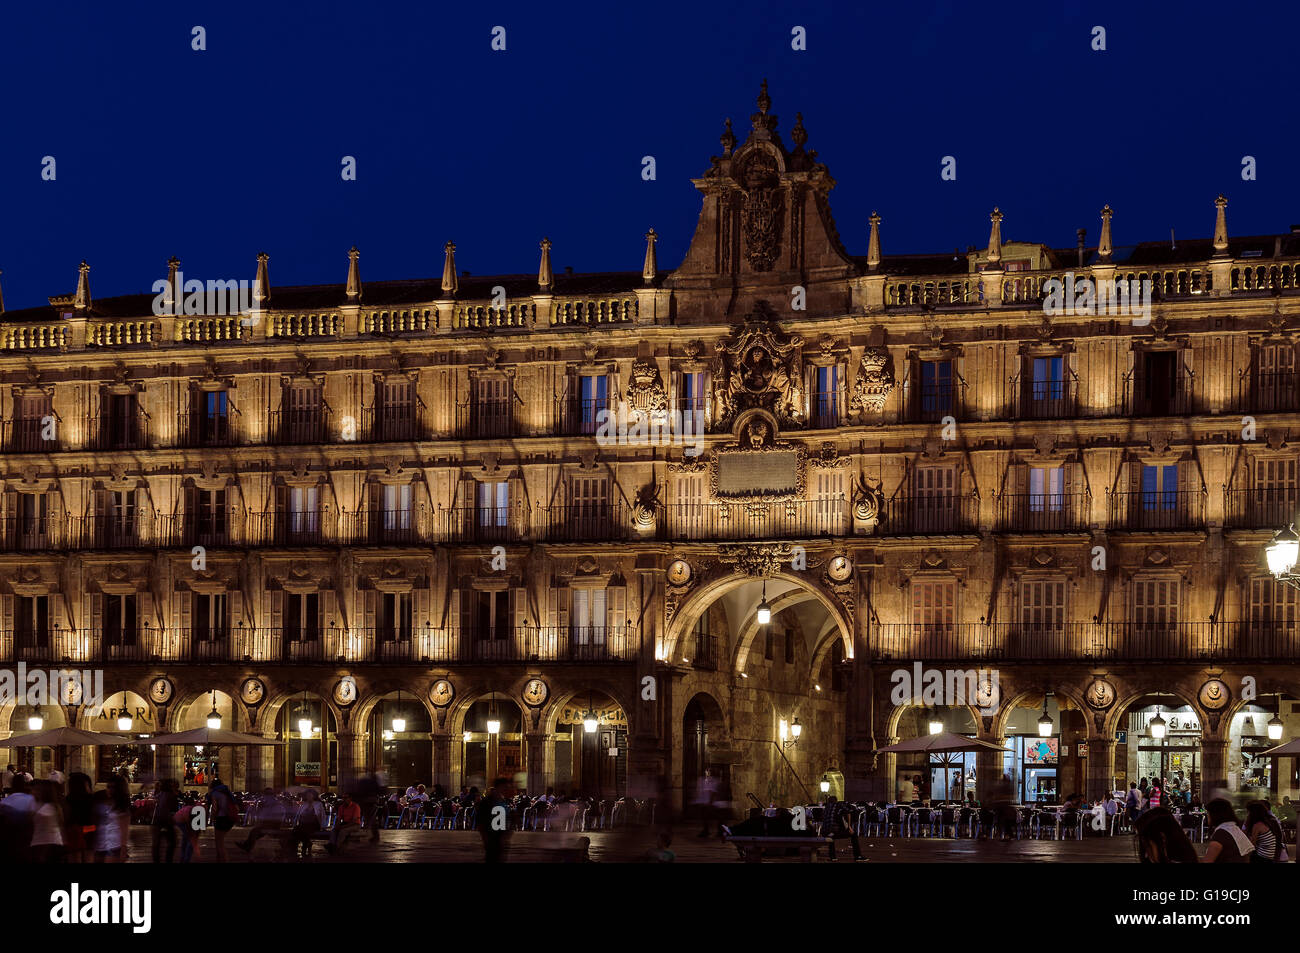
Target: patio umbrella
(943,742)
(1289,750)
(212,736)
(60,737)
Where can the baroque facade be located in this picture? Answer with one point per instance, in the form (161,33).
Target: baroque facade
(494,508)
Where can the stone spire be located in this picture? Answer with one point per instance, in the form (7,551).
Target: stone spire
(728,140)
(763,123)
(82,300)
(545,279)
(262,286)
(1221,227)
(1103,244)
(995,239)
(173,293)
(449,284)
(354,276)
(873,243)
(651,266)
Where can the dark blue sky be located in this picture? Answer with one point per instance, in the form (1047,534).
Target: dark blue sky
(214,156)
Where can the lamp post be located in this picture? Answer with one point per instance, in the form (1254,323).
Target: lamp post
(764,613)
(214,716)
(399,723)
(124,721)
(936,724)
(1045,722)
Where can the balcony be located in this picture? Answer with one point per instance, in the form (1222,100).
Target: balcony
(285,528)
(472,524)
(582,417)
(1043,400)
(825,412)
(1140,510)
(387,426)
(1087,642)
(579,523)
(1160,392)
(117,431)
(203,430)
(703,651)
(1270,508)
(27,435)
(384,527)
(30,534)
(486,418)
(109,532)
(1043,512)
(929,515)
(289,428)
(1268,392)
(798,519)
(930,403)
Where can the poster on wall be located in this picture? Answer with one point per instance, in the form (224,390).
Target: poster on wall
(306,772)
(1041,750)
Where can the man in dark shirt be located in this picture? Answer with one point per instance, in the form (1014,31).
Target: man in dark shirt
(837,822)
(493,820)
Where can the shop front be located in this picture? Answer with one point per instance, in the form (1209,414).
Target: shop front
(591,747)
(1161,742)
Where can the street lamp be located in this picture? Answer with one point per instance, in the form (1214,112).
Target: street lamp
(1045,722)
(1157,726)
(35,722)
(590,722)
(214,716)
(1282,554)
(494,723)
(764,610)
(124,721)
(825,784)
(399,723)
(304,722)
(1275,726)
(796,730)
(936,724)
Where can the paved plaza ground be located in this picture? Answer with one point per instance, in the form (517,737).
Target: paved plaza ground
(420,846)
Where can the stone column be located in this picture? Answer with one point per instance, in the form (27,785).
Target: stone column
(442,760)
(988,769)
(1214,766)
(351,756)
(535,760)
(260,767)
(1101,768)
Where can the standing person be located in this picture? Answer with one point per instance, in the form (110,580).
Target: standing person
(81,818)
(112,822)
(8,780)
(1265,833)
(188,830)
(370,796)
(1228,843)
(492,818)
(706,793)
(1003,810)
(1156,795)
(906,790)
(307,822)
(224,811)
(165,805)
(837,822)
(16,812)
(47,825)
(1133,803)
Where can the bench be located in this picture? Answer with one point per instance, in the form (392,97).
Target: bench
(752,847)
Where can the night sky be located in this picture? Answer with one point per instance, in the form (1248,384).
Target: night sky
(213,156)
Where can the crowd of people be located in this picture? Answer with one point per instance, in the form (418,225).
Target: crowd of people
(1161,838)
(54,820)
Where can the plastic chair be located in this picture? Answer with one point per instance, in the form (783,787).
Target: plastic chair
(896,817)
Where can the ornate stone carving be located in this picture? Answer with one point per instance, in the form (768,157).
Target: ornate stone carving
(645,508)
(868,502)
(875,381)
(763,559)
(758,368)
(760,209)
(646,393)
(828,458)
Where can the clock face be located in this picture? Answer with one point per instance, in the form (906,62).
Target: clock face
(252,691)
(535,692)
(1101,693)
(161,690)
(840,568)
(345,692)
(1215,694)
(441,693)
(679,571)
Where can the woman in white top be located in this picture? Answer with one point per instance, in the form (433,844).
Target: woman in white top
(47,825)
(112,822)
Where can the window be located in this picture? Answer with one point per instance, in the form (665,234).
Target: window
(119,620)
(1275,378)
(33,518)
(789,646)
(304,509)
(121,516)
(693,396)
(214,417)
(1160,487)
(302,617)
(397,410)
(209,617)
(1155,603)
(826,389)
(492,410)
(491,618)
(702,643)
(303,417)
(1273,605)
(1042,603)
(1046,489)
(1048,384)
(397,506)
(32,621)
(1159,384)
(934,603)
(394,617)
(120,422)
(29,422)
(935,502)
(210,514)
(589,514)
(593,397)
(936,388)
(588,616)
(494,503)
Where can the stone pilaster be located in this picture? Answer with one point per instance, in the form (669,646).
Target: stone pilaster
(1101,768)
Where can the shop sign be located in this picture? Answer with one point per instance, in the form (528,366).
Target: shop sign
(609,717)
(306,772)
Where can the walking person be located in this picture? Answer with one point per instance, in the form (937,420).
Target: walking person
(47,825)
(81,819)
(307,822)
(270,815)
(369,797)
(492,818)
(189,827)
(1228,844)
(224,811)
(166,803)
(112,812)
(706,793)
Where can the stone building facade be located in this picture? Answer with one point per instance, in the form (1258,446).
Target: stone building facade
(530,501)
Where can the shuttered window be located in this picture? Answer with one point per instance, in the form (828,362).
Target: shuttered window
(1273,604)
(934,602)
(1042,603)
(1156,602)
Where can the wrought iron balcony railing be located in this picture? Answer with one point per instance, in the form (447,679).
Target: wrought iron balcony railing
(929,515)
(1265,508)
(1156,510)
(1043,512)
(798,519)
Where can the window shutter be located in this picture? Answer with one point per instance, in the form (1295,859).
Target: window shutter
(184,619)
(1070,508)
(519,601)
(562,616)
(96,613)
(277,612)
(422,600)
(235,602)
(841,393)
(464,605)
(101,505)
(7,613)
(370,599)
(144,615)
(617,609)
(809,380)
(11,507)
(328,608)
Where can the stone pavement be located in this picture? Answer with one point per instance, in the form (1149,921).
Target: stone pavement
(411,846)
